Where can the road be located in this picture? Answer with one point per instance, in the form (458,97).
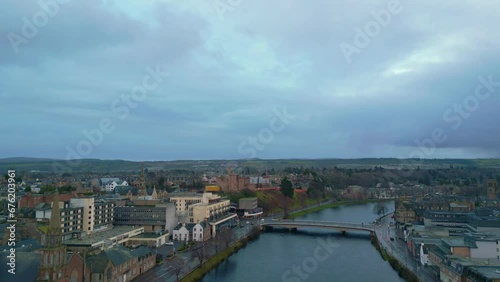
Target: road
(165,271)
(399,250)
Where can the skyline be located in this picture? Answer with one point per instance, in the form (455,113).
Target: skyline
(385,79)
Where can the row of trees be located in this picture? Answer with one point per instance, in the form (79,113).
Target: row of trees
(205,250)
(338,177)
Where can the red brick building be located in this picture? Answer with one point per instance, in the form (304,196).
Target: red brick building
(30,201)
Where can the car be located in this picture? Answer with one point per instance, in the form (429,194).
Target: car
(169,243)
(248,222)
(392,239)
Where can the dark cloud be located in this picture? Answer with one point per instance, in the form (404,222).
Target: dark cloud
(227,76)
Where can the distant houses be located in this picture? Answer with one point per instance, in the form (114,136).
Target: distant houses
(109,184)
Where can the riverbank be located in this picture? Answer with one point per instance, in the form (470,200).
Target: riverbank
(303,212)
(198,273)
(402,271)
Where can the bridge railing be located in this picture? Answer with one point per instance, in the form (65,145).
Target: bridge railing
(315,223)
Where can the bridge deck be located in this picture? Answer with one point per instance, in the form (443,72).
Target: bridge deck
(322,224)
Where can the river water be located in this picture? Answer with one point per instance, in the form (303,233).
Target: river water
(310,254)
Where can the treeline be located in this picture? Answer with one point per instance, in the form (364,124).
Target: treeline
(369,177)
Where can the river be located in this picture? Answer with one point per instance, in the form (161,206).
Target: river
(310,254)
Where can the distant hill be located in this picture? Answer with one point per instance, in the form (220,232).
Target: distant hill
(24,160)
(104,166)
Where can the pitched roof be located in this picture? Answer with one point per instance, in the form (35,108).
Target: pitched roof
(27,265)
(117,256)
(189,226)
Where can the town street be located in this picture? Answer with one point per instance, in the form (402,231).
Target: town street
(398,249)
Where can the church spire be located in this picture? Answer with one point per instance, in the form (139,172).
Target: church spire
(154,194)
(142,183)
(54,233)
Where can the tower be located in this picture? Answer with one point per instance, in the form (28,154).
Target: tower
(53,253)
(492,189)
(154,195)
(142,183)
(54,234)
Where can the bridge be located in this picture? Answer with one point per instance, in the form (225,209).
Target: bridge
(338,226)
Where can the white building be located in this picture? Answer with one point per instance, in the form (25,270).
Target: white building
(424,255)
(181,232)
(201,232)
(198,232)
(109,184)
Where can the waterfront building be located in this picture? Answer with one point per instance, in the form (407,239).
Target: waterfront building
(248,203)
(161,217)
(186,232)
(118,235)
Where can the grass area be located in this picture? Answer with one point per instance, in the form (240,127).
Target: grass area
(332,205)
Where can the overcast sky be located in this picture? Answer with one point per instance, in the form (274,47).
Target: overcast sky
(301,79)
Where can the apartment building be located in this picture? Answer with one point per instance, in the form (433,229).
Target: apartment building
(97,214)
(71,218)
(160,217)
(104,212)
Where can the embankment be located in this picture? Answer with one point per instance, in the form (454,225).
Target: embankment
(401,269)
(198,273)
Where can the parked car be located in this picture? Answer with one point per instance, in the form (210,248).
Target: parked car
(169,243)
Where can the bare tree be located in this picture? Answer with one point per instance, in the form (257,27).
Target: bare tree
(177,266)
(201,253)
(217,243)
(283,202)
(227,236)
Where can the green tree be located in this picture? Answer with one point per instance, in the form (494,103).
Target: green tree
(47,189)
(286,187)
(380,209)
(316,189)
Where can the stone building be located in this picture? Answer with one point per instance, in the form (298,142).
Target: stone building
(120,263)
(55,263)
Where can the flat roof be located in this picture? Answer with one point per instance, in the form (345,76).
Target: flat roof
(101,236)
(149,235)
(488,271)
